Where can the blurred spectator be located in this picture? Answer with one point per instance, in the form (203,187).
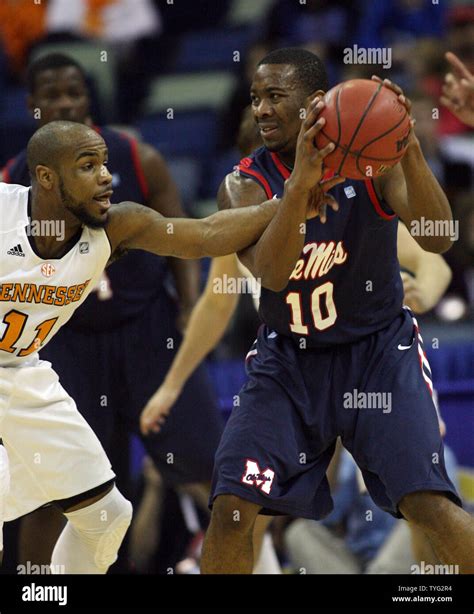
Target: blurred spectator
(357,537)
(349,538)
(321,26)
(131,29)
(180,17)
(114,21)
(394,21)
(459,301)
(325,21)
(460,35)
(22,23)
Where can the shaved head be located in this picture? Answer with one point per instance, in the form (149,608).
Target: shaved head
(49,144)
(68,167)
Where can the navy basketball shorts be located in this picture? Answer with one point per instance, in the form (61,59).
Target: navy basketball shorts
(112,374)
(376,394)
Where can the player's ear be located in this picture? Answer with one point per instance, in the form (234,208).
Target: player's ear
(44,176)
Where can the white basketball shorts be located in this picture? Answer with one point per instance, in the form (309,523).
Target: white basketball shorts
(53,452)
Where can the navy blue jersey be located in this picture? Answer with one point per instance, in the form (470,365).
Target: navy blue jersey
(134,281)
(346,283)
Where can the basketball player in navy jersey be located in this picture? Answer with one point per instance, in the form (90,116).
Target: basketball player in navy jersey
(333,326)
(99,355)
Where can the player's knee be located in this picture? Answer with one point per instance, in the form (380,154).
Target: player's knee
(425,508)
(103,525)
(233,514)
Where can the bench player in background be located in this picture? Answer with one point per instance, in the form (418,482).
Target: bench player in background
(278,442)
(54,455)
(99,355)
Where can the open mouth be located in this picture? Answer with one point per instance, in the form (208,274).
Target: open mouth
(104,199)
(268,131)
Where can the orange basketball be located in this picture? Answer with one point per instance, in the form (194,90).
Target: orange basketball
(369,127)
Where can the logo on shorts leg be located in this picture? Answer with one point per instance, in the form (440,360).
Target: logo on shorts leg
(254,476)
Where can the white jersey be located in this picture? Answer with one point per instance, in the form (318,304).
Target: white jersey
(38,296)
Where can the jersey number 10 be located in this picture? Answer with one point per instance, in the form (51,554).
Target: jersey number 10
(324,292)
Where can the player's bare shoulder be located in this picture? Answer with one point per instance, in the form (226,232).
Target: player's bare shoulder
(123,218)
(239,191)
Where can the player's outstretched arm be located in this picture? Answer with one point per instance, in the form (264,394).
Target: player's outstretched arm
(414,193)
(132,226)
(431,273)
(207,324)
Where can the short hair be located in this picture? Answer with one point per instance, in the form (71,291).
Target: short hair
(50,61)
(309,68)
(48,144)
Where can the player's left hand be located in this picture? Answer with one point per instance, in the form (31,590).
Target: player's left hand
(157,409)
(321,200)
(406,102)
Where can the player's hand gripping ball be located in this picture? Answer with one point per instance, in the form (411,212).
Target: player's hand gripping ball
(370,124)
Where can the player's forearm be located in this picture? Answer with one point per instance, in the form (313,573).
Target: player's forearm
(426,198)
(277,250)
(232,230)
(207,325)
(433,278)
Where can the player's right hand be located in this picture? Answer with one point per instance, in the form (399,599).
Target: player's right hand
(157,409)
(308,170)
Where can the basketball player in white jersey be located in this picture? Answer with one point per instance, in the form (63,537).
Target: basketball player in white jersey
(44,276)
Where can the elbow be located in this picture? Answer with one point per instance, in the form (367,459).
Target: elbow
(435,245)
(275,287)
(273,282)
(271,277)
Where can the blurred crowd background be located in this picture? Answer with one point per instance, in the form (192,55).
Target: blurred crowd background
(176,74)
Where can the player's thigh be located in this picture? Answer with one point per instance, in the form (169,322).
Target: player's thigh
(395,438)
(275,450)
(54,454)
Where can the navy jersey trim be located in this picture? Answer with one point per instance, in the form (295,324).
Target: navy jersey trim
(6,170)
(282,169)
(142,182)
(375,201)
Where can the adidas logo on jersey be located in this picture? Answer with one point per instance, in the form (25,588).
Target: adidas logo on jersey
(16,251)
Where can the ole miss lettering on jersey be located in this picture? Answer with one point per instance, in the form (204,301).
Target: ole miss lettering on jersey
(346,283)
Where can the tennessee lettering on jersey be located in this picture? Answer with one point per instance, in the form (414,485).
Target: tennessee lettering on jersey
(346,282)
(114,301)
(49,295)
(32,308)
